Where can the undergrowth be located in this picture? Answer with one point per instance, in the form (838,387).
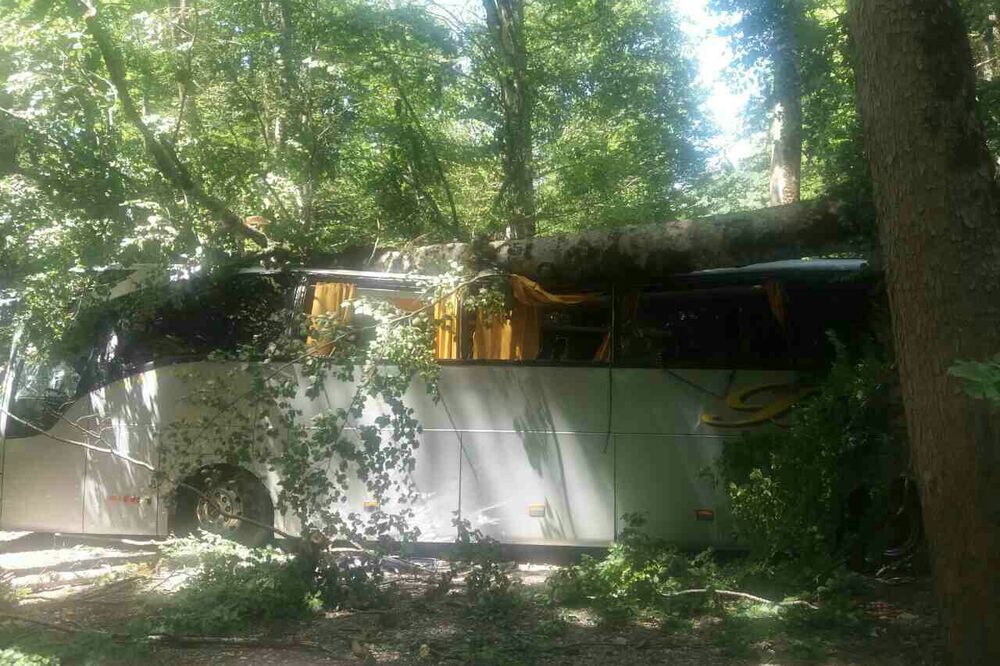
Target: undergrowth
(490,590)
(17,657)
(637,573)
(643,578)
(815,490)
(234,587)
(31,647)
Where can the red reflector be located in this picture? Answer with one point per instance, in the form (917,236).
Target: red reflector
(704,514)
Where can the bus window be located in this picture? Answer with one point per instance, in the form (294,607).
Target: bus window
(709,328)
(568,328)
(42,392)
(330,300)
(577,333)
(735,327)
(189,322)
(324,298)
(542,326)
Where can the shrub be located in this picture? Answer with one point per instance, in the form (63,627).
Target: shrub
(8,595)
(817,489)
(636,573)
(15,657)
(488,584)
(234,586)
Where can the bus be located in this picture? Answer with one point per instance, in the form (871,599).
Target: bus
(584,406)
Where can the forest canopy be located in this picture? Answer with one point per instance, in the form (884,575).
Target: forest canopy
(346,122)
(175,131)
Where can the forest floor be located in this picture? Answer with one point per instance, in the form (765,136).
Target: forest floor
(73,603)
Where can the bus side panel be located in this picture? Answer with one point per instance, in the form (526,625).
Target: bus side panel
(661,478)
(666,402)
(673,401)
(119,497)
(436,482)
(43,485)
(539,487)
(512,398)
(664,447)
(436,478)
(537,465)
(519,431)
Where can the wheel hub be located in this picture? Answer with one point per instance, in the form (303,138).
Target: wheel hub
(218,509)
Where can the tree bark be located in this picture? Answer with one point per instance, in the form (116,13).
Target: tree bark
(939,221)
(505,21)
(786,120)
(642,253)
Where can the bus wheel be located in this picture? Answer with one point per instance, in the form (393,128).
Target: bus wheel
(225,492)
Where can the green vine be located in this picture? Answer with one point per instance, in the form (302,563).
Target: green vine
(980,379)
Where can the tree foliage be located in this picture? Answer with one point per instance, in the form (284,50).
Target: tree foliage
(815,490)
(192,131)
(833,162)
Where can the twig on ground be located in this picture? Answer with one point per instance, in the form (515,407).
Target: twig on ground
(168,577)
(238,641)
(179,641)
(104,589)
(14,617)
(741,595)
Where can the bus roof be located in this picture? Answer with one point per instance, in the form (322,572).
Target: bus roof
(793,266)
(805,270)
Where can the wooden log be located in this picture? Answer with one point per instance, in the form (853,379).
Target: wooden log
(643,253)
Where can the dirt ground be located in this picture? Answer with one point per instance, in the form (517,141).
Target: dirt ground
(85,587)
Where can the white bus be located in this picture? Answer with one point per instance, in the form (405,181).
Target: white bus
(588,409)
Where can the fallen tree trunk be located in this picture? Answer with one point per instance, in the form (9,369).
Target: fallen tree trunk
(647,251)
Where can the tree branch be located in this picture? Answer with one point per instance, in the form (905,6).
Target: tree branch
(740,595)
(164,157)
(73,442)
(415,119)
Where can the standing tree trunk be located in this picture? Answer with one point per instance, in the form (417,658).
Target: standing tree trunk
(939,221)
(505,21)
(786,120)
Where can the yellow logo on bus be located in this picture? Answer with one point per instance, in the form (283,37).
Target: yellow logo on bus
(786,395)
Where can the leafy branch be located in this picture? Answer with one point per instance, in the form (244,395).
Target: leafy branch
(164,157)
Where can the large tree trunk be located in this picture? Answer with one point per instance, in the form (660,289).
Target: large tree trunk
(505,21)
(939,221)
(643,253)
(786,121)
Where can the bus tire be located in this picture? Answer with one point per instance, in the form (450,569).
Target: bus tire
(238,493)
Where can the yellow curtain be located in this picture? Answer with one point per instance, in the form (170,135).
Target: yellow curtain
(329,297)
(519,338)
(515,339)
(446,341)
(446,312)
(530,292)
(603,353)
(777,301)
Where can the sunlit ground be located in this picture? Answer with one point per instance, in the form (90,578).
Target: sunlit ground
(79,601)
